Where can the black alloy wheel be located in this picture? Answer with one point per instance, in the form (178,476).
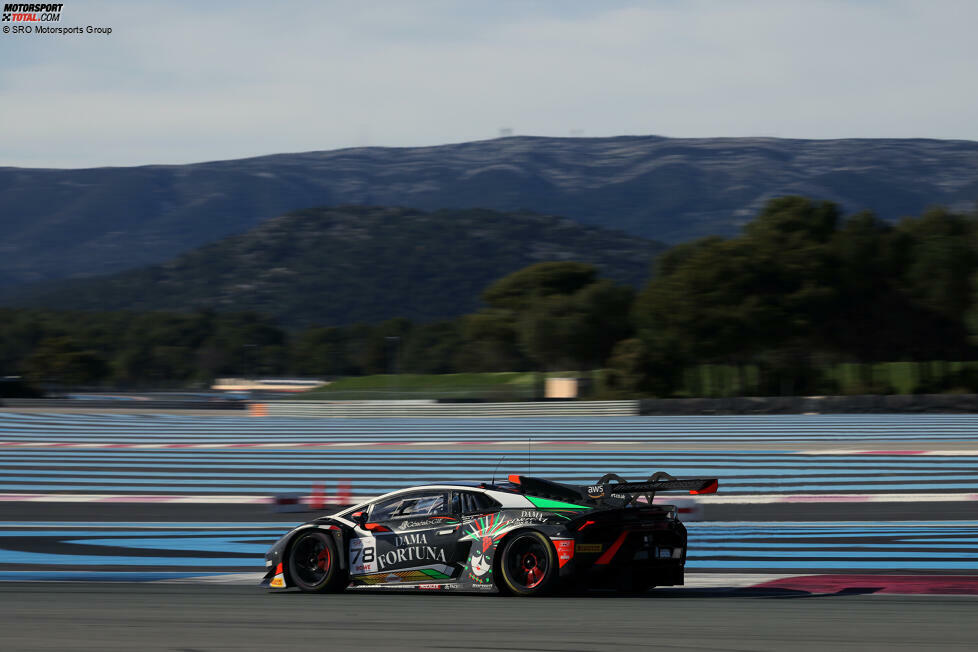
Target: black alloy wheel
(529,565)
(312,563)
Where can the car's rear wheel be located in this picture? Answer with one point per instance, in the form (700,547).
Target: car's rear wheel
(313,563)
(528,565)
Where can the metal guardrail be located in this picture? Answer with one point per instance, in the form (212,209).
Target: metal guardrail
(855,404)
(376,409)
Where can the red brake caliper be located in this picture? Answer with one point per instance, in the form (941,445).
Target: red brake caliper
(533,573)
(322,559)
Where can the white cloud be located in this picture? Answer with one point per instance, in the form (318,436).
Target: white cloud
(179,82)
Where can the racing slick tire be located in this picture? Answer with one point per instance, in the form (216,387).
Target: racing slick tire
(313,564)
(528,565)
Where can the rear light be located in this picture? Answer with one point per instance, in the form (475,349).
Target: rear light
(708,489)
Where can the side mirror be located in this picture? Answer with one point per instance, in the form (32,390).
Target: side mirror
(360,518)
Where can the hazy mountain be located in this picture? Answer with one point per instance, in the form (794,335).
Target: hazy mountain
(59,223)
(349,264)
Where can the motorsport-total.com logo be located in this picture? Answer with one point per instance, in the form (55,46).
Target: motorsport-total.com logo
(32,13)
(28,19)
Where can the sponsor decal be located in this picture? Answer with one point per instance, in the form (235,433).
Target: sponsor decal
(589,547)
(565,550)
(484,531)
(408,548)
(410,539)
(427,522)
(278,582)
(596,491)
(430,587)
(364,557)
(412,575)
(411,553)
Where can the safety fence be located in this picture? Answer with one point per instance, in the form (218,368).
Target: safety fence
(425,409)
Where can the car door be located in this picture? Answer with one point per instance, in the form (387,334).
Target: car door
(408,538)
(481,529)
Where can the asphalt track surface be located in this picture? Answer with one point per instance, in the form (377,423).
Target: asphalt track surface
(194,618)
(220,615)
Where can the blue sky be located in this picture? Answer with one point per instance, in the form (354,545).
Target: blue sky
(186,81)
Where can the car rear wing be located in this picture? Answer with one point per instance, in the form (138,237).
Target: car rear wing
(614,486)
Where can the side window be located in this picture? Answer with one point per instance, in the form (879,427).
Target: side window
(476,503)
(411,506)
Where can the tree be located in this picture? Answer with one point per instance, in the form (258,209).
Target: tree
(490,342)
(628,367)
(578,330)
(522,288)
(558,314)
(62,361)
(937,257)
(432,348)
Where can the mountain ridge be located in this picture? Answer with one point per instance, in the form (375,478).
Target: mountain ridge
(63,223)
(347,264)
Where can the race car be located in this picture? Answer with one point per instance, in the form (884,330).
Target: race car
(528,536)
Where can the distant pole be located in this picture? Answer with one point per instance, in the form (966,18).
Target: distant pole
(249,365)
(393,366)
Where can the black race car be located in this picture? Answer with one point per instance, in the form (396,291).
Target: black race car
(527,536)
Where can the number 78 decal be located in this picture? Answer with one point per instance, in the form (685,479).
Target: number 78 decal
(367,554)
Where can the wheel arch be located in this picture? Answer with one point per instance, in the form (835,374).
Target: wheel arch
(333,531)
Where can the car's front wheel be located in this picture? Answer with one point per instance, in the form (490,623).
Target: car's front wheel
(313,563)
(528,565)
